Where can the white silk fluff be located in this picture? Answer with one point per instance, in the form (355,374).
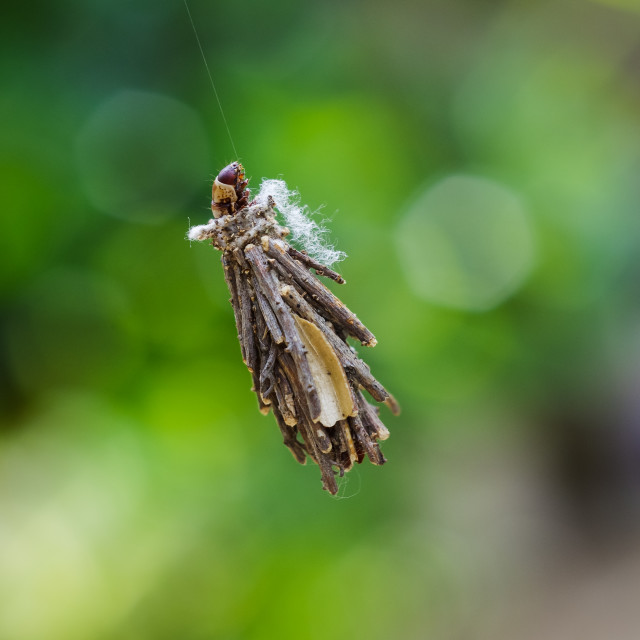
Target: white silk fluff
(304,230)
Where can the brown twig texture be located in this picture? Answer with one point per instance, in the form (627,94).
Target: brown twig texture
(293,336)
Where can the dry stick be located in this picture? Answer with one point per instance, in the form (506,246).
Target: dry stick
(369,416)
(321,296)
(288,278)
(326,469)
(357,442)
(269,317)
(314,264)
(268,285)
(289,438)
(238,302)
(371,448)
(325,302)
(239,256)
(322,438)
(230,277)
(349,360)
(346,462)
(262,333)
(249,339)
(284,396)
(246,314)
(352,449)
(267,377)
(343,460)
(306,427)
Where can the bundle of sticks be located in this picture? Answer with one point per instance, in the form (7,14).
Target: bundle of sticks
(293,335)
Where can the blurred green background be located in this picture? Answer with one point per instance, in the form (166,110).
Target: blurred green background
(479,162)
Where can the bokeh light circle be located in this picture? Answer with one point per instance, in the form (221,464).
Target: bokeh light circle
(141,156)
(466,243)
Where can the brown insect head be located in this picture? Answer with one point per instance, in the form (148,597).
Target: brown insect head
(229,193)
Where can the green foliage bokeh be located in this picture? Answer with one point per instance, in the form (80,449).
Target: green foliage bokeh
(142,494)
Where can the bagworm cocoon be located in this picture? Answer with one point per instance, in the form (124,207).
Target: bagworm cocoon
(293,333)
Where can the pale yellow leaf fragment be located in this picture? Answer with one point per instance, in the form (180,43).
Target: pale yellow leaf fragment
(336,401)
(352,449)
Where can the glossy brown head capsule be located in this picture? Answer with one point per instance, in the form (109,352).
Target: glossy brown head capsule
(228,193)
(230,173)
